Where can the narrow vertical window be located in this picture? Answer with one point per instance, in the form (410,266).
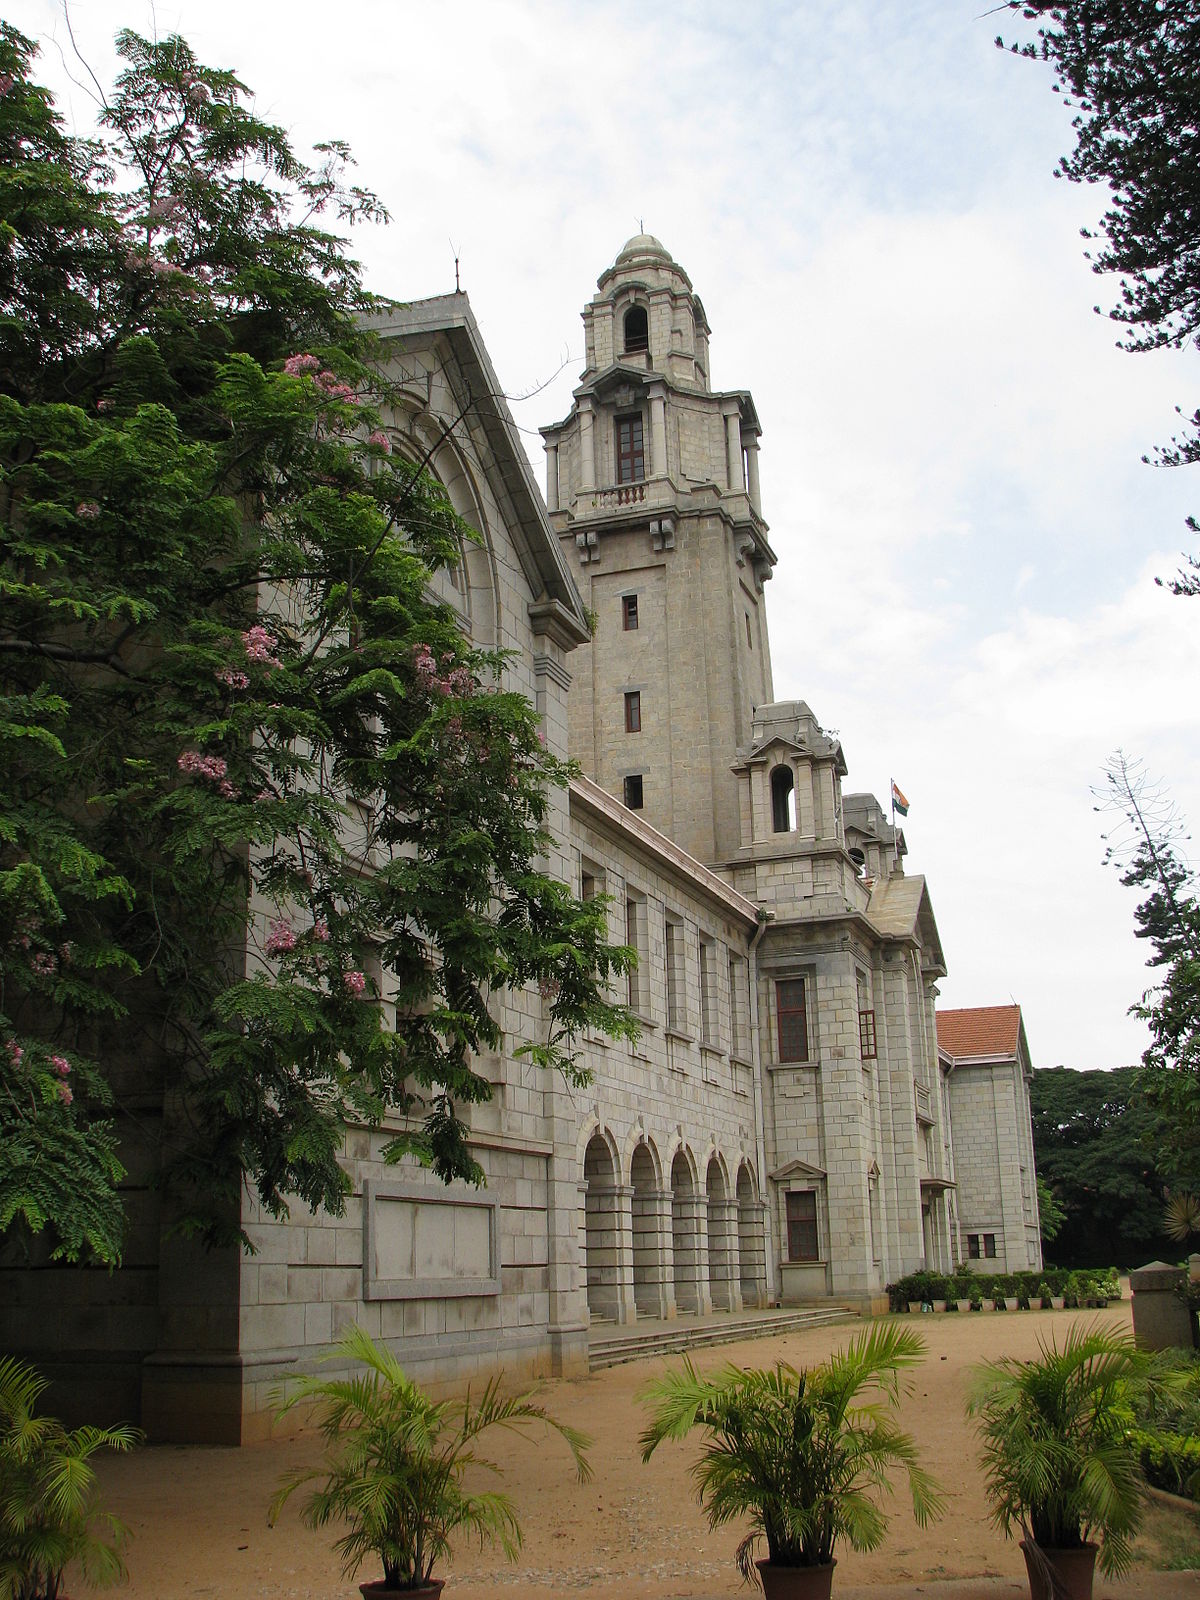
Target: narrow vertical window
(749,636)
(629,614)
(672,954)
(633,792)
(802,1226)
(783,800)
(708,1011)
(631,456)
(633,712)
(635,938)
(792,1011)
(737,1000)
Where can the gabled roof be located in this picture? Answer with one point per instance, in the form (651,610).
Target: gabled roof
(510,475)
(979,1031)
(900,908)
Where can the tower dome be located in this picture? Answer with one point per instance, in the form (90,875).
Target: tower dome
(641,246)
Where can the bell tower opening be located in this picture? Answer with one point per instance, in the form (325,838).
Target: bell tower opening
(637,330)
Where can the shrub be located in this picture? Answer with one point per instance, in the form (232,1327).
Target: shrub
(49,1515)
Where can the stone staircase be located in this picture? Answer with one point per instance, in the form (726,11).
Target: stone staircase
(610,1343)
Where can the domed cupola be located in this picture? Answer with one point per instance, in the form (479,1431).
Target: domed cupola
(647,318)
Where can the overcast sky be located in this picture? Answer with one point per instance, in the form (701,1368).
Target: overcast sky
(863,195)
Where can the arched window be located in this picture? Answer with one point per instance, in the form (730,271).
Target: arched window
(637,330)
(783,800)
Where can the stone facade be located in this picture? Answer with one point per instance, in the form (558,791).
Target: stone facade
(985,1057)
(784,1129)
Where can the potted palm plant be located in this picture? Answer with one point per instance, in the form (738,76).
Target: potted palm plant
(1060,1466)
(805,1455)
(395,1464)
(49,1516)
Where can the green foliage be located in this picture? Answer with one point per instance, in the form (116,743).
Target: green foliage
(1058,1461)
(224,683)
(49,1515)
(806,1456)
(1051,1215)
(396,1462)
(1131,76)
(1094,1140)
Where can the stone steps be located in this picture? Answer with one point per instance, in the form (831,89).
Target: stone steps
(610,1346)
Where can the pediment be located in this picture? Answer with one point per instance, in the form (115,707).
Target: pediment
(796,1169)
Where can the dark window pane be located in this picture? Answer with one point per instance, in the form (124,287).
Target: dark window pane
(629,612)
(802,1226)
(633,712)
(633,792)
(631,459)
(793,1020)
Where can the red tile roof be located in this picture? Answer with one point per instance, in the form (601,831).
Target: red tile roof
(979,1031)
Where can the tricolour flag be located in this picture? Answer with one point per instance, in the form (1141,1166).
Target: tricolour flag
(899,803)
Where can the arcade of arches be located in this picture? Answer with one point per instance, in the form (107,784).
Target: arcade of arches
(657,1244)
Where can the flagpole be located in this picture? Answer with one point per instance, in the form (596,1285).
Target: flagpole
(895,846)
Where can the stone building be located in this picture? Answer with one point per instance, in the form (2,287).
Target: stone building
(783,1130)
(985,1057)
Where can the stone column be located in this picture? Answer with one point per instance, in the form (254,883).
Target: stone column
(587,447)
(724,1287)
(689,1244)
(752,463)
(733,451)
(609,1253)
(551,477)
(752,1251)
(658,434)
(653,1288)
(1161,1319)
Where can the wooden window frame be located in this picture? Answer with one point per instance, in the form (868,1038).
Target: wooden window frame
(631,449)
(867,1043)
(629,612)
(786,990)
(633,711)
(803,1233)
(633,791)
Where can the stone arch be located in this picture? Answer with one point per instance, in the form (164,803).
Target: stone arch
(751,1238)
(651,1232)
(689,1234)
(635,329)
(602,1201)
(783,799)
(724,1285)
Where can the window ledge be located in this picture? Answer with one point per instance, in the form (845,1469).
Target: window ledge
(677,1034)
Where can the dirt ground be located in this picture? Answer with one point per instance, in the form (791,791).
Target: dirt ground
(199,1516)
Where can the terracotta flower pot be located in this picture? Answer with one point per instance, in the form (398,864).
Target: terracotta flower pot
(379,1590)
(1074,1570)
(795,1583)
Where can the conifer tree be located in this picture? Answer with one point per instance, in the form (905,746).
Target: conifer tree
(224,685)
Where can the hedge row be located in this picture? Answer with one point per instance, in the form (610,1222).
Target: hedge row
(1077,1288)
(1170,1461)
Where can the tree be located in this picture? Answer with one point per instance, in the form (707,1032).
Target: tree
(223,684)
(1146,848)
(1051,1215)
(1094,1148)
(1131,74)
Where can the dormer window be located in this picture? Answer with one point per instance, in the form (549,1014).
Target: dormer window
(631,452)
(637,330)
(783,800)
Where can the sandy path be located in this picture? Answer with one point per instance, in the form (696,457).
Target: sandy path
(199,1516)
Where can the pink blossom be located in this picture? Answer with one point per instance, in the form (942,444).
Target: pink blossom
(106,404)
(264,794)
(454,727)
(281,938)
(6,82)
(15,1053)
(295,365)
(227,791)
(162,209)
(65,952)
(423,666)
(88,509)
(381,439)
(211,767)
(61,1065)
(64,1093)
(355,982)
(234,678)
(320,931)
(460,681)
(260,645)
(43,964)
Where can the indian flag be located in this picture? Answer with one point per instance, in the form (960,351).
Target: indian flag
(899,803)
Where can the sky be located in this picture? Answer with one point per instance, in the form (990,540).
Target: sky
(863,195)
